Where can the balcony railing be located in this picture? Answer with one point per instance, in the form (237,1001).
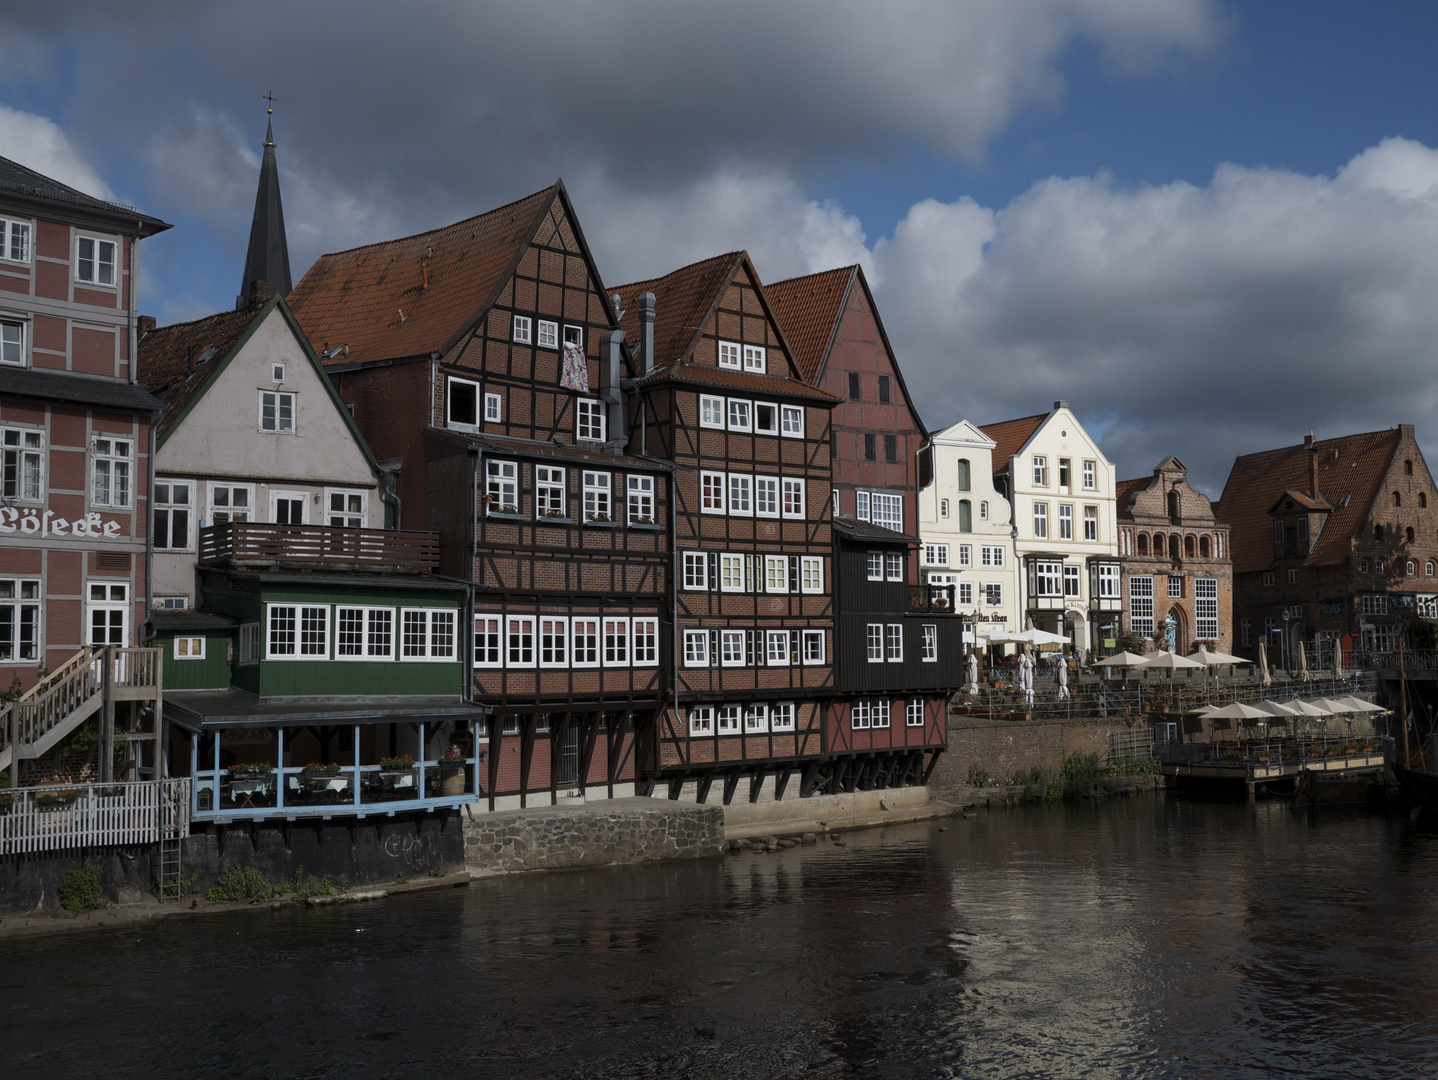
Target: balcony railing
(250,543)
(58,817)
(932,598)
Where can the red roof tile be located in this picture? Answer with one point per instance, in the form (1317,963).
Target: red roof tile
(165,357)
(413,296)
(704,375)
(1124,491)
(1352,466)
(810,309)
(1010,435)
(683,300)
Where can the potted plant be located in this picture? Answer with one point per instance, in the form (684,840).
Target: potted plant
(56,800)
(451,771)
(598,519)
(641,521)
(6,801)
(401,763)
(555,514)
(321,768)
(251,768)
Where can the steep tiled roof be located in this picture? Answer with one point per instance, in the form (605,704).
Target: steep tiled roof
(682,301)
(809,309)
(1010,435)
(1353,465)
(16,179)
(375,300)
(164,367)
(1124,490)
(705,375)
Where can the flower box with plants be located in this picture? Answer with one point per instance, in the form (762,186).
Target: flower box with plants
(504,511)
(554,517)
(598,519)
(319,768)
(644,523)
(55,800)
(252,768)
(402,763)
(7,800)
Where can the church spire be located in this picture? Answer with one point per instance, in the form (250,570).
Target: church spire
(268,258)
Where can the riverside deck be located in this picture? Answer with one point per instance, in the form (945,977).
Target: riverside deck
(1252,762)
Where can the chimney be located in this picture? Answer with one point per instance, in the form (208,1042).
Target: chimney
(260,293)
(1312,448)
(646,332)
(190,361)
(144,324)
(1060,405)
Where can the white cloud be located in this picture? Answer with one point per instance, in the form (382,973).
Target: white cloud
(39,144)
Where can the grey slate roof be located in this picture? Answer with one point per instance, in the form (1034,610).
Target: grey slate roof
(79,389)
(854,529)
(237,708)
(16,179)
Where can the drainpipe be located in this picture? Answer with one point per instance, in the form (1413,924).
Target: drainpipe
(611,370)
(646,332)
(389,470)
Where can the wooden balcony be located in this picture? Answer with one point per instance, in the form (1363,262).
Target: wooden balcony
(253,545)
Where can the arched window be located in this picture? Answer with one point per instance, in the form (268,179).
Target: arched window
(1203,547)
(963,474)
(1363,566)
(1158,543)
(1175,545)
(1408,533)
(966,519)
(1188,546)
(943,508)
(1378,566)
(1423,500)
(984,510)
(1397,498)
(1173,507)
(1143,543)
(1407,468)
(1428,568)
(1378,532)
(1411,569)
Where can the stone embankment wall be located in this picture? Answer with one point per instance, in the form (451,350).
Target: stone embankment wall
(1003,748)
(600,833)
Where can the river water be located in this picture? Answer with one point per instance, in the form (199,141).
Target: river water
(1137,938)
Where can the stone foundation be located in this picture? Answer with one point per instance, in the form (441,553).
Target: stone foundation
(610,832)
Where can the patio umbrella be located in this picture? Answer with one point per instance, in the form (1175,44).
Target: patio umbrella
(1168,660)
(1337,660)
(1275,709)
(1238,710)
(1120,659)
(1216,659)
(1356,704)
(1310,708)
(1263,676)
(1302,662)
(973,687)
(1034,636)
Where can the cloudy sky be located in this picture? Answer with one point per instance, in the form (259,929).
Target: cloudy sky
(1210,225)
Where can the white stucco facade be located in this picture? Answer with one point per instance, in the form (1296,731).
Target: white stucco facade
(266,441)
(1062,491)
(967,529)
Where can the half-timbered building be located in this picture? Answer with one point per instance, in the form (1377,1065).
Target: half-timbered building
(484,363)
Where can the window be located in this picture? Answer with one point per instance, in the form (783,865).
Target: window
(893,566)
(994,593)
(19,619)
(1090,522)
(883,388)
(365,633)
(486,641)
(966,555)
(189,648)
(695,570)
(1066,521)
(835,499)
(813,645)
(427,634)
(729,355)
(546,335)
(1245,631)
(741,490)
(12,342)
(966,592)
(870,448)
(1090,475)
(109,609)
(584,644)
(230,502)
(1108,581)
(95,261)
(766,496)
(589,422)
(1175,586)
(781,717)
(991,555)
(347,509)
(891,448)
(548,491)
(894,643)
(24,462)
(776,648)
(1427,606)
(502,490)
(984,511)
(14,240)
(1140,605)
(776,573)
(1041,471)
(943,508)
(711,492)
(741,416)
(729,719)
(1278,532)
(645,642)
(493,408)
(519,641)
(766,418)
(641,500)
(1071,581)
(616,642)
(711,411)
(754,359)
(881,713)
(1041,521)
(277,411)
(1378,566)
(914,713)
(936,554)
(1268,576)
(811,573)
(854,386)
(1375,604)
(1048,578)
(574,335)
(791,421)
(1205,608)
(966,516)
(1293,575)
(874,562)
(522,326)
(731,572)
(171,515)
(887,510)
(701,720)
(731,648)
(463,398)
(1428,568)
(596,496)
(1064,468)
(1362,569)
(860,716)
(874,639)
(929,653)
(111,476)
(249,643)
(287,507)
(298,631)
(794,505)
(696,648)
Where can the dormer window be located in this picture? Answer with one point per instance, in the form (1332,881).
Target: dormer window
(1302,526)
(754,359)
(729,355)
(1278,532)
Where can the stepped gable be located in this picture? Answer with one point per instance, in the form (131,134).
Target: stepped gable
(165,368)
(1352,466)
(1124,491)
(1010,436)
(419,294)
(810,309)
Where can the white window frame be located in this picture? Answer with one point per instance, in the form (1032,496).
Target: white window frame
(615,642)
(97,261)
(1073,582)
(107,597)
(730,355)
(441,634)
(773,410)
(552,638)
(373,620)
(353,519)
(756,718)
(598,495)
(1041,470)
(874,566)
(728,720)
(550,492)
(782,716)
(188,647)
(943,508)
(701,720)
(712,411)
(755,360)
(811,574)
(278,399)
(732,648)
(993,594)
(966,555)
(695,565)
(15,237)
(1048,578)
(894,643)
(965,592)
(471,389)
(811,646)
(929,634)
(249,644)
(278,495)
(169,506)
(1205,609)
(776,573)
(14,334)
(914,713)
(936,555)
(791,421)
(793,501)
(886,510)
(231,514)
(766,496)
(861,715)
(1041,521)
(741,415)
(22,452)
(641,499)
(874,642)
(302,613)
(501,480)
(586,641)
(882,714)
(894,568)
(644,642)
(521,329)
(589,420)
(731,572)
(1108,581)
(521,645)
(493,408)
(23,602)
(1090,475)
(488,641)
(713,492)
(1066,521)
(546,335)
(696,648)
(1090,522)
(1140,605)
(741,495)
(108,461)
(776,648)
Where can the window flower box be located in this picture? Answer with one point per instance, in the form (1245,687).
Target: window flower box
(602,520)
(504,511)
(253,768)
(553,519)
(315,768)
(401,763)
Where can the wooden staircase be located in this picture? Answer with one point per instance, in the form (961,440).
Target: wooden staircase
(89,683)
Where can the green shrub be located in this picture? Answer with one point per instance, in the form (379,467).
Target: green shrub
(1079,773)
(241,883)
(302,886)
(80,890)
(979,777)
(184,888)
(1130,765)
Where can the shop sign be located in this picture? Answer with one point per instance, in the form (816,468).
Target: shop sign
(28,522)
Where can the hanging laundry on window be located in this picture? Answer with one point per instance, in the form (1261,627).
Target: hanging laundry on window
(575,373)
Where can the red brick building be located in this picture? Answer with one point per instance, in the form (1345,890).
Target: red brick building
(1333,540)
